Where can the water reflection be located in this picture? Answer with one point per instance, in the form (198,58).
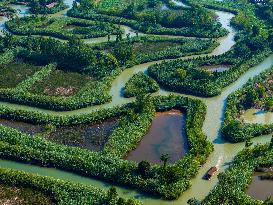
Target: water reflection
(166,136)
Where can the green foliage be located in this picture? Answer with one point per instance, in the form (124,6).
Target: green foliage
(12,74)
(62,27)
(38,76)
(131,129)
(152,21)
(138,82)
(40,6)
(6,57)
(153,48)
(251,98)
(181,73)
(235,180)
(235,130)
(62,192)
(69,57)
(248,142)
(164,158)
(171,174)
(123,52)
(107,165)
(144,168)
(200,82)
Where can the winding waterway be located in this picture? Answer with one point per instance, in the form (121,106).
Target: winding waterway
(224,151)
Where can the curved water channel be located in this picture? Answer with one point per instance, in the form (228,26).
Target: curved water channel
(224,151)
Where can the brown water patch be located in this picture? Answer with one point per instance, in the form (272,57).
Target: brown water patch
(166,135)
(260,189)
(22,126)
(92,136)
(70,27)
(216,68)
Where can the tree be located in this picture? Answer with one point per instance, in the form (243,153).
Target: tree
(271,143)
(144,168)
(198,74)
(171,174)
(74,42)
(198,17)
(261,91)
(248,142)
(143,101)
(268,201)
(152,3)
(121,201)
(130,202)
(74,5)
(193,201)
(164,158)
(242,50)
(251,98)
(123,52)
(268,103)
(181,73)
(129,11)
(112,195)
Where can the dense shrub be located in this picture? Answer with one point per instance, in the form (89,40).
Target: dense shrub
(107,165)
(145,49)
(138,82)
(150,21)
(63,28)
(63,192)
(234,129)
(235,180)
(198,81)
(6,57)
(42,6)
(69,57)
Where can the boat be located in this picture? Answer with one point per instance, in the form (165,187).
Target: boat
(211,172)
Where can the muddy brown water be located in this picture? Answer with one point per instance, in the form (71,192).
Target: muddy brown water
(92,136)
(166,136)
(22,126)
(257,116)
(70,27)
(260,189)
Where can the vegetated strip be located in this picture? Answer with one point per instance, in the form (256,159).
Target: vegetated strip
(62,192)
(168,182)
(235,180)
(235,130)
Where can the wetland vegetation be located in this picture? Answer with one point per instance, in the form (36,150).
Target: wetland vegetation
(142,94)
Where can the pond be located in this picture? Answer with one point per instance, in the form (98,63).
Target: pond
(22,126)
(91,136)
(166,136)
(260,189)
(257,116)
